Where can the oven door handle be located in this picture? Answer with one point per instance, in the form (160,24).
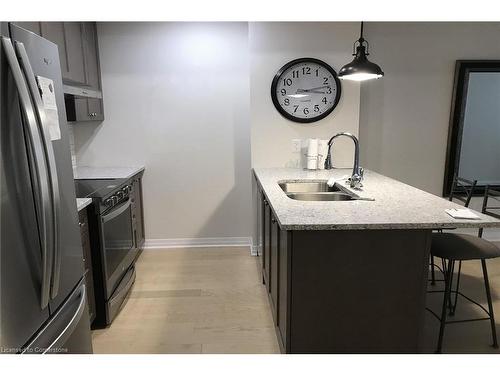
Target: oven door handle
(118,210)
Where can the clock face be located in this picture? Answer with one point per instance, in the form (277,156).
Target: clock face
(305,90)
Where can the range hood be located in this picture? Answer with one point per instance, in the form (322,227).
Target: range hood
(82,92)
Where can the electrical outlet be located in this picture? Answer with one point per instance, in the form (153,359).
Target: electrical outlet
(296,145)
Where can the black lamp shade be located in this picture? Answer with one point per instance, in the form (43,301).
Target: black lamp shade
(360,69)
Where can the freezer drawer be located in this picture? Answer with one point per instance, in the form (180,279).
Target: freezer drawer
(68,331)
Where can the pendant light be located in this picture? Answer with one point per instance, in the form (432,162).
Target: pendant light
(360,69)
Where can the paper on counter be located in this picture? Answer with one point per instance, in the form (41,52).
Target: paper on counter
(462,213)
(46,86)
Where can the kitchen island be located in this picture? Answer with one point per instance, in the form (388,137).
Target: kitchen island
(349,276)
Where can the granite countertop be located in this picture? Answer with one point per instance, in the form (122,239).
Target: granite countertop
(396,205)
(86,172)
(81,203)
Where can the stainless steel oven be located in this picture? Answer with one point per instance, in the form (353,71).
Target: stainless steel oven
(118,244)
(113,242)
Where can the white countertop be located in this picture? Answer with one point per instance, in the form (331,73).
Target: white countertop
(81,203)
(95,173)
(396,205)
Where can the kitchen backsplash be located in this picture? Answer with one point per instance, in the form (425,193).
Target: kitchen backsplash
(72,146)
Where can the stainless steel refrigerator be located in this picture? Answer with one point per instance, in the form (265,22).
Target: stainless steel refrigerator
(43,306)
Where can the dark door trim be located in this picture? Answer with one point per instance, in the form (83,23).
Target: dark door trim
(457,113)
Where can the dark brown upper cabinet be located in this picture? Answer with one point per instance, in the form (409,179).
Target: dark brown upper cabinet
(79,58)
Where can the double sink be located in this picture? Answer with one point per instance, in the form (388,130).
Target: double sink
(317,191)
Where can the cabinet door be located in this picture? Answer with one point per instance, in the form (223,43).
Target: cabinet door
(262,205)
(54,31)
(275,243)
(87,262)
(91,55)
(83,109)
(267,244)
(284,261)
(138,213)
(75,71)
(95,109)
(34,27)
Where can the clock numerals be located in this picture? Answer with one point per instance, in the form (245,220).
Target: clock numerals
(305,90)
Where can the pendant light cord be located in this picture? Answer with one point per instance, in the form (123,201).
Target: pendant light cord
(362,24)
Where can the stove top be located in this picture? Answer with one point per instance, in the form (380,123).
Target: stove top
(97,188)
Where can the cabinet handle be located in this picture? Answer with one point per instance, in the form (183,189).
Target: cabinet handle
(273,220)
(266,203)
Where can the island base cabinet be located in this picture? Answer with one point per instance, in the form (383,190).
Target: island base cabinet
(284,264)
(358,291)
(345,291)
(266,245)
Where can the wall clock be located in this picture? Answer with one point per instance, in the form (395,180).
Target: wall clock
(305,90)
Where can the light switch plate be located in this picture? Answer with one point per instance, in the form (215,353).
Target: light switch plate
(296,145)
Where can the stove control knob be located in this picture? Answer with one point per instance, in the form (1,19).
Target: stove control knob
(120,195)
(108,202)
(125,190)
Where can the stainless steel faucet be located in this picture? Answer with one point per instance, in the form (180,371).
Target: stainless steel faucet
(357,171)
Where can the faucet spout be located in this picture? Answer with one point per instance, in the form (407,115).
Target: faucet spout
(357,171)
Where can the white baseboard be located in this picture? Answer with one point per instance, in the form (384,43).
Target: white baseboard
(170,243)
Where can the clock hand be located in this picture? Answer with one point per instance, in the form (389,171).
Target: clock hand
(313,89)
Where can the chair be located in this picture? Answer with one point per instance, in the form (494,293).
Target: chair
(462,190)
(452,247)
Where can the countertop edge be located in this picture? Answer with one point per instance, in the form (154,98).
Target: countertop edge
(397,225)
(85,172)
(82,203)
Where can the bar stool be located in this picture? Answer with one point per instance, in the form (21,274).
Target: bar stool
(462,190)
(452,247)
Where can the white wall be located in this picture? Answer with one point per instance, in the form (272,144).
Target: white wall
(274,44)
(404,117)
(176,99)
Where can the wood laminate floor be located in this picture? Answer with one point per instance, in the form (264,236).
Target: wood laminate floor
(211,300)
(199,300)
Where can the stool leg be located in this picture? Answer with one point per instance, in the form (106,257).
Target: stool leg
(490,304)
(433,276)
(447,292)
(450,304)
(454,307)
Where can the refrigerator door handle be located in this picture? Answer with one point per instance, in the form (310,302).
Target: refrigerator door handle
(56,335)
(52,168)
(40,172)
